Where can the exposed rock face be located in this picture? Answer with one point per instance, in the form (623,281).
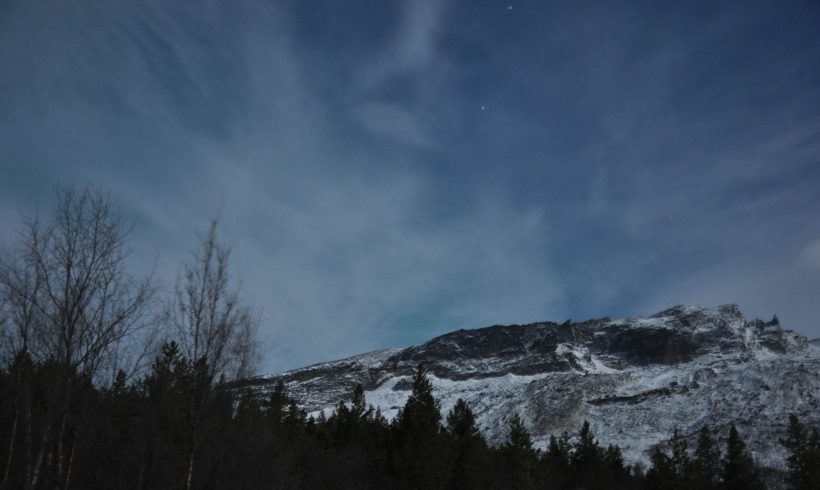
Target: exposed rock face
(633,379)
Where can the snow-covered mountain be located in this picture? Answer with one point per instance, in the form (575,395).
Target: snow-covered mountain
(632,379)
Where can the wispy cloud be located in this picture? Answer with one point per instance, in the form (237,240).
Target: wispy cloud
(626,160)
(393,121)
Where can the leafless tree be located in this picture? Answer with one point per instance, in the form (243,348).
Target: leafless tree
(209,319)
(69,300)
(214,329)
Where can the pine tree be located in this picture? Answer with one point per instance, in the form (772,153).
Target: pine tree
(342,425)
(421,415)
(421,457)
(557,457)
(681,466)
(672,472)
(814,458)
(804,456)
(587,454)
(277,401)
(347,422)
(469,466)
(167,416)
(707,460)
(614,461)
(739,471)
(358,406)
(661,476)
(461,421)
(519,454)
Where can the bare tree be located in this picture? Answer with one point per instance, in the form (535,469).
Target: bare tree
(215,330)
(70,301)
(209,319)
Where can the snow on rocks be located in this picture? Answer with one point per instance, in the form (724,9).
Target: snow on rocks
(633,379)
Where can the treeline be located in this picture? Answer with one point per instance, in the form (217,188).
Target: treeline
(175,427)
(106,383)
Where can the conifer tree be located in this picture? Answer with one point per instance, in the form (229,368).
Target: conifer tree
(519,453)
(804,456)
(587,454)
(739,471)
(347,422)
(469,466)
(461,421)
(661,476)
(358,405)
(276,403)
(417,428)
(295,418)
(707,460)
(671,472)
(681,465)
(341,422)
(167,416)
(814,457)
(557,457)
(421,415)
(614,461)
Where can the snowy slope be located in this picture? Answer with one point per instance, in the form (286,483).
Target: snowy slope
(634,379)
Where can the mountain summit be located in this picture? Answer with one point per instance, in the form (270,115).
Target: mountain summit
(633,379)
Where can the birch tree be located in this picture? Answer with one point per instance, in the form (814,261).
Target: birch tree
(216,331)
(70,303)
(209,319)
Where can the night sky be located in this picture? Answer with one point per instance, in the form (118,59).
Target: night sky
(389,171)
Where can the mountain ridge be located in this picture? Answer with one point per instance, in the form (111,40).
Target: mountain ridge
(633,379)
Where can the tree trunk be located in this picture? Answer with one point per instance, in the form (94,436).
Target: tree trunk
(38,464)
(60,454)
(27,420)
(190,475)
(70,463)
(11,450)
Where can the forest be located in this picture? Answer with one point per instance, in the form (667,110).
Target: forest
(109,381)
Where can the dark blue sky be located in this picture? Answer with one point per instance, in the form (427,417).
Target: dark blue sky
(391,171)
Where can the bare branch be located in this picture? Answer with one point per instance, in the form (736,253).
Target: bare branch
(208,317)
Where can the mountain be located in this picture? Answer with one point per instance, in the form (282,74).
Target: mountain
(633,379)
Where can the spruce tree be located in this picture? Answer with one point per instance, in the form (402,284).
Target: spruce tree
(342,426)
(421,415)
(707,460)
(461,421)
(661,476)
(469,466)
(814,458)
(519,454)
(358,406)
(421,457)
(739,471)
(347,422)
(681,466)
(557,457)
(587,454)
(804,456)
(614,461)
(671,472)
(277,402)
